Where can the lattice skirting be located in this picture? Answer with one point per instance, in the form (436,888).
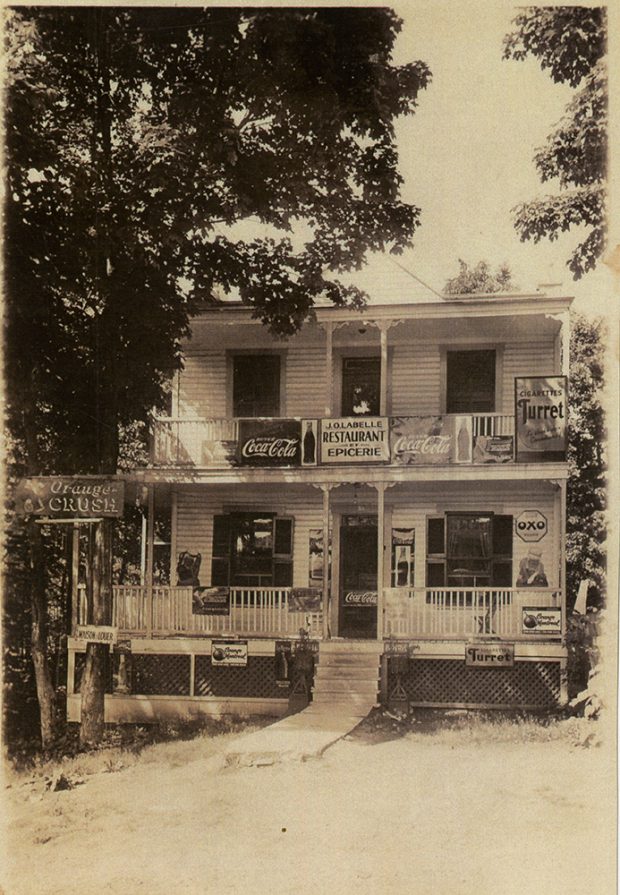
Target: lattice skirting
(258,678)
(443,681)
(169,675)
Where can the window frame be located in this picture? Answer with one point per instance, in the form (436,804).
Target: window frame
(441,559)
(230,376)
(222,560)
(499,349)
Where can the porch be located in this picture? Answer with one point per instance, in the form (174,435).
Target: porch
(418,613)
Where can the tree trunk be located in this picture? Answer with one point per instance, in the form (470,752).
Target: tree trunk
(97,654)
(43,678)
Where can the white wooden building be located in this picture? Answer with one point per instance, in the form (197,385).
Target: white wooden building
(391,480)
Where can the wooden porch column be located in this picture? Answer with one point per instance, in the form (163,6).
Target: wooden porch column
(562,575)
(565,343)
(327,608)
(383,399)
(150,531)
(380,486)
(329,368)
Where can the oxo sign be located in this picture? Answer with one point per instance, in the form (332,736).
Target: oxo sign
(531,525)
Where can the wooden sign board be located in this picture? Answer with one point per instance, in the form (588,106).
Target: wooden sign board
(96,634)
(75,496)
(490,655)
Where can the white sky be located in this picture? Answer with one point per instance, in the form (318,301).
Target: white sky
(466,155)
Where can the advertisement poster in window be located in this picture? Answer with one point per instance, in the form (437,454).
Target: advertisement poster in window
(269,442)
(305,599)
(540,419)
(403,552)
(355,440)
(316,557)
(421,440)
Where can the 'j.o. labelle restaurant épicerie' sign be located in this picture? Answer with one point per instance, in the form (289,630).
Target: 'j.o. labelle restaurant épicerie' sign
(361,439)
(69,496)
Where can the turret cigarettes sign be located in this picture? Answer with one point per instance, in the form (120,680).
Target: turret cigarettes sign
(540,418)
(58,496)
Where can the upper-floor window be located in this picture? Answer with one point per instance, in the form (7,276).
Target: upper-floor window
(361,386)
(256,385)
(470,381)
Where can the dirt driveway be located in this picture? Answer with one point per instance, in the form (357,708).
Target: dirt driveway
(413,815)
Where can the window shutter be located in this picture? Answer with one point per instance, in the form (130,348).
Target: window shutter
(220,563)
(283,551)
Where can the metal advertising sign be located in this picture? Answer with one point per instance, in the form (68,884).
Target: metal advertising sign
(211,601)
(305,599)
(420,440)
(490,655)
(361,439)
(229,652)
(493,448)
(540,418)
(58,496)
(531,525)
(361,598)
(96,633)
(541,620)
(269,442)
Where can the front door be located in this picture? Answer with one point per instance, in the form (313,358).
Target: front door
(358,577)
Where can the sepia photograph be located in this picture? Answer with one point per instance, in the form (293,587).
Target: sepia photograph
(310,412)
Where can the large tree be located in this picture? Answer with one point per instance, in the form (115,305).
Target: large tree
(586,527)
(138,141)
(570,43)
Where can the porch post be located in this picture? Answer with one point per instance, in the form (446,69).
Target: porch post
(327,633)
(149,560)
(562,575)
(380,486)
(329,367)
(383,399)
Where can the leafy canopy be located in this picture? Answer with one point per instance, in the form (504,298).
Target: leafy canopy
(140,143)
(479,278)
(570,43)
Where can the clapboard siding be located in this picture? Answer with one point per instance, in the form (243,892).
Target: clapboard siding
(416,379)
(410,510)
(195,511)
(305,382)
(534,358)
(202,385)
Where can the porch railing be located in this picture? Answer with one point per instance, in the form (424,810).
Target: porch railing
(212,442)
(425,613)
(459,612)
(167,611)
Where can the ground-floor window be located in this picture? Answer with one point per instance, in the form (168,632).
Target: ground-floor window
(469,550)
(252,549)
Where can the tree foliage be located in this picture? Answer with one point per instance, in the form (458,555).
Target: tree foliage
(586,528)
(138,142)
(479,278)
(569,42)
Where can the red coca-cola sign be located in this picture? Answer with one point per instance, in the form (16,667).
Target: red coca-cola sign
(269,442)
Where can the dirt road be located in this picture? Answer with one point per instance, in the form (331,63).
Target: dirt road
(414,815)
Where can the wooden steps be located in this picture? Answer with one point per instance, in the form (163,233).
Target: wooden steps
(346,678)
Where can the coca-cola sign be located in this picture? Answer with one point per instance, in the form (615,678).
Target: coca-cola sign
(269,442)
(361,598)
(420,440)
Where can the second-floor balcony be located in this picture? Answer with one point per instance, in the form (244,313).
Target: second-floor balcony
(402,441)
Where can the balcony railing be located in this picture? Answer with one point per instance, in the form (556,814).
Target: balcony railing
(420,613)
(465,612)
(212,443)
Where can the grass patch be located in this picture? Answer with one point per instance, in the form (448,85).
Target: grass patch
(172,742)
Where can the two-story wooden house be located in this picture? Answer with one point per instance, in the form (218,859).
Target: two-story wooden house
(392,481)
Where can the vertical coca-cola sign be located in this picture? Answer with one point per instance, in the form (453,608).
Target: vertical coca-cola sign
(266,442)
